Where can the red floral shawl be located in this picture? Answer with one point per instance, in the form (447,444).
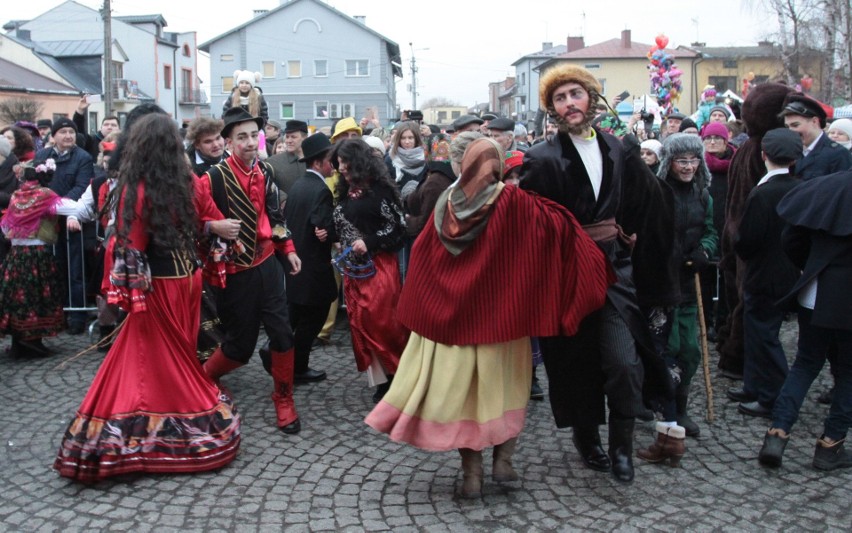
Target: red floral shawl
(28,206)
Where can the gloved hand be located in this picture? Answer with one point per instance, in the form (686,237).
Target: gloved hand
(697,260)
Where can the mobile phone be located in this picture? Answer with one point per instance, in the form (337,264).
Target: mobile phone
(93,98)
(624,95)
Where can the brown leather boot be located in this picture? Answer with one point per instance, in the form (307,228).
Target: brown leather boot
(472,470)
(502,470)
(282,376)
(670,444)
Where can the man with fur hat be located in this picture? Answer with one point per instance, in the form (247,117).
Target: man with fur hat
(255,292)
(206,145)
(586,171)
(821,155)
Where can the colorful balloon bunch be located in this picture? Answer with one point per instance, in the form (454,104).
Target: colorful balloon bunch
(664,74)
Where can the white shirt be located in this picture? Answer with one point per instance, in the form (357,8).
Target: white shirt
(811,146)
(590,153)
(771,174)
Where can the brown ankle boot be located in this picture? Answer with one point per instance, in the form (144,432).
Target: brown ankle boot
(670,444)
(502,470)
(472,470)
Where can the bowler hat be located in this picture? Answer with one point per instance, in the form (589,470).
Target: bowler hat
(295,125)
(314,145)
(236,115)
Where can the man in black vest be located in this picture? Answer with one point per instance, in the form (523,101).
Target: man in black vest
(308,215)
(769,276)
(255,293)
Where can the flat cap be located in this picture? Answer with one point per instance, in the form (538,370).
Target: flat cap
(782,145)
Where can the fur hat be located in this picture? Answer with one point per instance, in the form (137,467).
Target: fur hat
(245,75)
(676,145)
(761,108)
(5,147)
(558,76)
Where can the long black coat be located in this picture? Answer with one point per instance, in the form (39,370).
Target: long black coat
(310,205)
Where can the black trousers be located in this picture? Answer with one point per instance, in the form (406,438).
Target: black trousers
(253,297)
(600,361)
(307,322)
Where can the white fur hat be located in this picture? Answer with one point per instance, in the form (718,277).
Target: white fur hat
(245,75)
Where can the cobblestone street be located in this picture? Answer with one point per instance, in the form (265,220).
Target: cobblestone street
(338,474)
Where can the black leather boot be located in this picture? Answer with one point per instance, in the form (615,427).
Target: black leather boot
(683,419)
(587,440)
(621,448)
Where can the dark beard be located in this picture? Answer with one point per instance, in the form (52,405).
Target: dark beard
(579,129)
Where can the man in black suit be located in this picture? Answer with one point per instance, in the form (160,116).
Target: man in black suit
(819,240)
(308,214)
(769,276)
(822,156)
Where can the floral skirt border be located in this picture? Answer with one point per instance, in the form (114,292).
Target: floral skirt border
(30,293)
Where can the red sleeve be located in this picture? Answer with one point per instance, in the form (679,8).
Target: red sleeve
(138,235)
(204,204)
(286,246)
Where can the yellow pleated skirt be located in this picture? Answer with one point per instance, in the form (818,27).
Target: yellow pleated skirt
(447,397)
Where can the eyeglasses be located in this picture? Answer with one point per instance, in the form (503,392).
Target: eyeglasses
(714,139)
(687,162)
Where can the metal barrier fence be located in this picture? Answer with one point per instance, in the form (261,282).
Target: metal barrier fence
(79,257)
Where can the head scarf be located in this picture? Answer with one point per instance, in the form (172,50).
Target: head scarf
(462,210)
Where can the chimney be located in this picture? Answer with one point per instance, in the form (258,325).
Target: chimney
(575,43)
(625,39)
(360,18)
(546,46)
(24,35)
(697,44)
(260,12)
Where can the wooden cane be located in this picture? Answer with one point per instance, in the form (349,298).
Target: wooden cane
(705,351)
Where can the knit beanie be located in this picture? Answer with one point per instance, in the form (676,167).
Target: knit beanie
(721,108)
(375,143)
(844,125)
(654,145)
(5,147)
(715,128)
(679,144)
(62,122)
(687,123)
(245,75)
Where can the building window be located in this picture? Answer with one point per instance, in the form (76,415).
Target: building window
(226,57)
(117,70)
(357,68)
(729,63)
(455,114)
(294,69)
(267,68)
(93,117)
(602,81)
(723,83)
(523,78)
(321,109)
(592,65)
(288,110)
(57,116)
(167,76)
(320,68)
(186,51)
(227,84)
(442,117)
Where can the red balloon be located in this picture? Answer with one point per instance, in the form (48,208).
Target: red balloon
(661,41)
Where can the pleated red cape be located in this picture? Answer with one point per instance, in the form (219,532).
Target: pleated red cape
(532,272)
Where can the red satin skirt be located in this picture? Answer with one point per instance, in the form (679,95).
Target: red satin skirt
(151,408)
(371,306)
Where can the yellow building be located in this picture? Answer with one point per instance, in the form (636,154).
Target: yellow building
(725,67)
(622,65)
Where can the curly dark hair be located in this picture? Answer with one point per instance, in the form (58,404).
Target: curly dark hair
(364,167)
(23,140)
(153,154)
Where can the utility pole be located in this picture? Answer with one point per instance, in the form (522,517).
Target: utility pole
(413,79)
(107,16)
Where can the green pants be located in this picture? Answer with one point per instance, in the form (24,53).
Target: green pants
(683,342)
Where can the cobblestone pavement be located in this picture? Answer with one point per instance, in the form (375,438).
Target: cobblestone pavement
(338,474)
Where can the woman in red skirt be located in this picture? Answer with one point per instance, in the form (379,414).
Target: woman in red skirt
(370,224)
(151,408)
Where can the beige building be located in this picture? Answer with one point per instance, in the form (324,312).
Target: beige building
(442,116)
(622,65)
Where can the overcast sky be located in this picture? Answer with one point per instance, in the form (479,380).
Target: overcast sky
(462,45)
